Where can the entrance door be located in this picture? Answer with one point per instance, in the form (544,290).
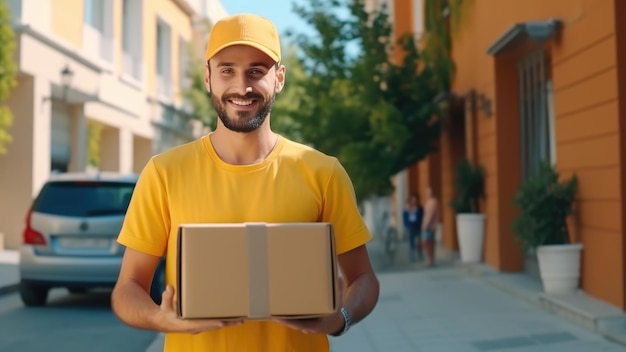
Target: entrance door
(60,138)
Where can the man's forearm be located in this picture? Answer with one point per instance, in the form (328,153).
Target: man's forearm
(132,305)
(361,296)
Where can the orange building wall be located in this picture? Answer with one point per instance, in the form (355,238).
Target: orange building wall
(587,109)
(620,24)
(402,23)
(449,236)
(452,149)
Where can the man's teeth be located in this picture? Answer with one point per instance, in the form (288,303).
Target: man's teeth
(242,102)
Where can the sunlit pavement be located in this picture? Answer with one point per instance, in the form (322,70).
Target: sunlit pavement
(452,308)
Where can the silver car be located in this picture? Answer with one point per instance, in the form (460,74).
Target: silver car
(70,235)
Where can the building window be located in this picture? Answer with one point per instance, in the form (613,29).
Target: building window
(131,39)
(536,112)
(93,13)
(98,28)
(163,59)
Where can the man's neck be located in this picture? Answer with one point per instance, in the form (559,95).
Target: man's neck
(243,148)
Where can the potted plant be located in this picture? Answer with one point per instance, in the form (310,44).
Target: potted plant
(470,222)
(545,203)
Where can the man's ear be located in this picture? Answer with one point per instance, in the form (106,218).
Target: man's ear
(207,77)
(280,78)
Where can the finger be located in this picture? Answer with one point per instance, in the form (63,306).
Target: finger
(167,298)
(290,324)
(199,326)
(226,323)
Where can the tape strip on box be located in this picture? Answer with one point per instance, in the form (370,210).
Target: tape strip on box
(259,299)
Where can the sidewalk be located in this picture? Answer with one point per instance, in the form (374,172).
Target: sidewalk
(9,275)
(458,308)
(447,309)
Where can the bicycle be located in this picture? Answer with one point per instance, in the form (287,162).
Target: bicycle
(390,237)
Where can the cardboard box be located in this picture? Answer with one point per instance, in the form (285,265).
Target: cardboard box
(256,270)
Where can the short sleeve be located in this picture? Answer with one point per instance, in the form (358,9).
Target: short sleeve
(341,210)
(146,225)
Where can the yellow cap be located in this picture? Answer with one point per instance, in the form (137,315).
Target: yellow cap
(244,29)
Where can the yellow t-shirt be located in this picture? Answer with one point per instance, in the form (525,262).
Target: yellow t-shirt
(191,184)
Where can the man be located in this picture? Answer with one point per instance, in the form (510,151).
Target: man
(241,172)
(412,219)
(429,226)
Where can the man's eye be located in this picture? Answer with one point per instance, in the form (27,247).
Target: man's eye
(227,71)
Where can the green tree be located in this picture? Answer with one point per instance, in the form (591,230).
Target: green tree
(8,70)
(442,20)
(377,116)
(287,101)
(94,135)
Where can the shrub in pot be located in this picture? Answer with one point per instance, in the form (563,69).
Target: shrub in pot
(469,187)
(545,203)
(470,223)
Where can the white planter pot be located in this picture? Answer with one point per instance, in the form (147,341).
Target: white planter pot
(559,267)
(470,229)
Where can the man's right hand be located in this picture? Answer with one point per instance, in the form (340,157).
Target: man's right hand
(168,318)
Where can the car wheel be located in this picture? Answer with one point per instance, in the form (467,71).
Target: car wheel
(33,295)
(158,282)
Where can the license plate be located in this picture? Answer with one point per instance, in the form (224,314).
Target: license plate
(88,242)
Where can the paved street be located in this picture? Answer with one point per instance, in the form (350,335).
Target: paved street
(68,323)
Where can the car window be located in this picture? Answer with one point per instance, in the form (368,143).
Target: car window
(84,198)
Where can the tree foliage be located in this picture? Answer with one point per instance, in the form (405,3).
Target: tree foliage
(286,104)
(8,70)
(442,20)
(377,116)
(94,135)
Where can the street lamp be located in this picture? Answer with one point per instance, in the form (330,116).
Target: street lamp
(66,80)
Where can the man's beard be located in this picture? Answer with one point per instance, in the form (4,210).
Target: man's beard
(248,121)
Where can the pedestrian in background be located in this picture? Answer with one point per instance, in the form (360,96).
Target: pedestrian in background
(412,217)
(241,172)
(429,226)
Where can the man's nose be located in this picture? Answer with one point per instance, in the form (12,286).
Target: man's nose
(243,85)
